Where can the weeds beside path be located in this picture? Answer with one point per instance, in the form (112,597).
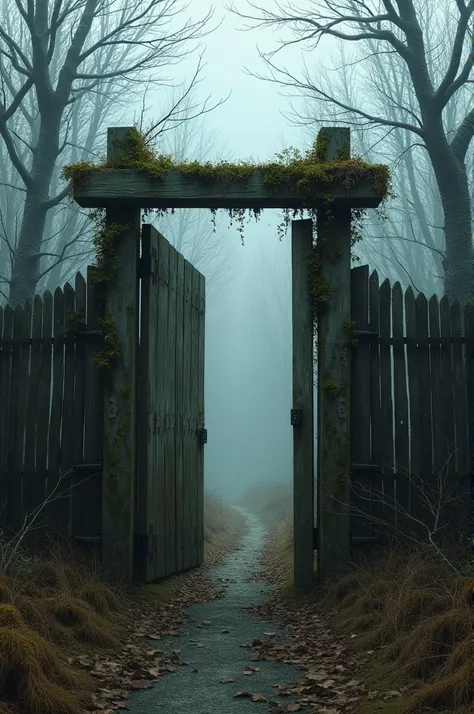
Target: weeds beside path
(70,643)
(394,636)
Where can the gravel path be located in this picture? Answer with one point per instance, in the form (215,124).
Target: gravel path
(213,652)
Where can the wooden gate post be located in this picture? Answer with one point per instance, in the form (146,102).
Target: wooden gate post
(120,448)
(302,413)
(334,376)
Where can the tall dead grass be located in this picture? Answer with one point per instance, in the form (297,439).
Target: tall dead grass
(61,602)
(419,618)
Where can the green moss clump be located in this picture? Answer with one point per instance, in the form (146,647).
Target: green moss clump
(111,353)
(331,386)
(75,322)
(307,174)
(348,327)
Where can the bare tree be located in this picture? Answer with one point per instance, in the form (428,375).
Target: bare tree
(196,233)
(437,68)
(53,55)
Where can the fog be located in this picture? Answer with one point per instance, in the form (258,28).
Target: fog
(248,378)
(248,370)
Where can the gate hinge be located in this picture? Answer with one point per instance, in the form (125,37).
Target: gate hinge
(364,539)
(365,335)
(141,543)
(364,467)
(203,436)
(296,417)
(144,266)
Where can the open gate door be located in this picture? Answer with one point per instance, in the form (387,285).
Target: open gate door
(170,474)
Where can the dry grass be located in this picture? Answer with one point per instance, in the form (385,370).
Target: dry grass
(221,523)
(61,603)
(419,618)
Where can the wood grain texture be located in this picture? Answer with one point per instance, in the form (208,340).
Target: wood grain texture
(119,464)
(303,439)
(136,189)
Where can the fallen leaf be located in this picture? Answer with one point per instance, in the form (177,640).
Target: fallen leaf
(140,684)
(258,698)
(243,694)
(226,680)
(293,707)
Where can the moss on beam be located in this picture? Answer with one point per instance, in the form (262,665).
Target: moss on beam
(307,175)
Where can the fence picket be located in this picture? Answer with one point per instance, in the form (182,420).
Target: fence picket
(54,442)
(386,492)
(361,481)
(179,426)
(170,416)
(402,436)
(91,488)
(14,490)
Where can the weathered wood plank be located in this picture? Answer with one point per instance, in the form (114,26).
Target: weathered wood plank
(303,439)
(446,480)
(5,376)
(424,406)
(119,464)
(201,421)
(33,405)
(417,502)
(375,401)
(44,383)
(187,435)
(386,495)
(402,433)
(193,414)
(133,189)
(361,481)
(168,362)
(469,357)
(33,483)
(436,397)
(158,362)
(54,442)
(144,561)
(67,434)
(462,480)
(91,489)
(447,386)
(334,366)
(24,368)
(460,389)
(14,494)
(179,433)
(78,513)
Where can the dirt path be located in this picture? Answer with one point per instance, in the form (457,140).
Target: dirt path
(211,645)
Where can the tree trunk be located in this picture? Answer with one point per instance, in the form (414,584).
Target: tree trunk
(26,261)
(451,177)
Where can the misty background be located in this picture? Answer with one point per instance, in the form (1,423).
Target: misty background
(248,320)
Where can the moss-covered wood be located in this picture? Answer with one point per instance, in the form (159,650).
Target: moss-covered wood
(118,359)
(334,375)
(145,179)
(303,434)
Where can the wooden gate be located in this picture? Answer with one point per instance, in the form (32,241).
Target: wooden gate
(170,471)
(409,413)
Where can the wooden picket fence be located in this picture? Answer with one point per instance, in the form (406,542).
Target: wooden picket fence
(51,413)
(410,414)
